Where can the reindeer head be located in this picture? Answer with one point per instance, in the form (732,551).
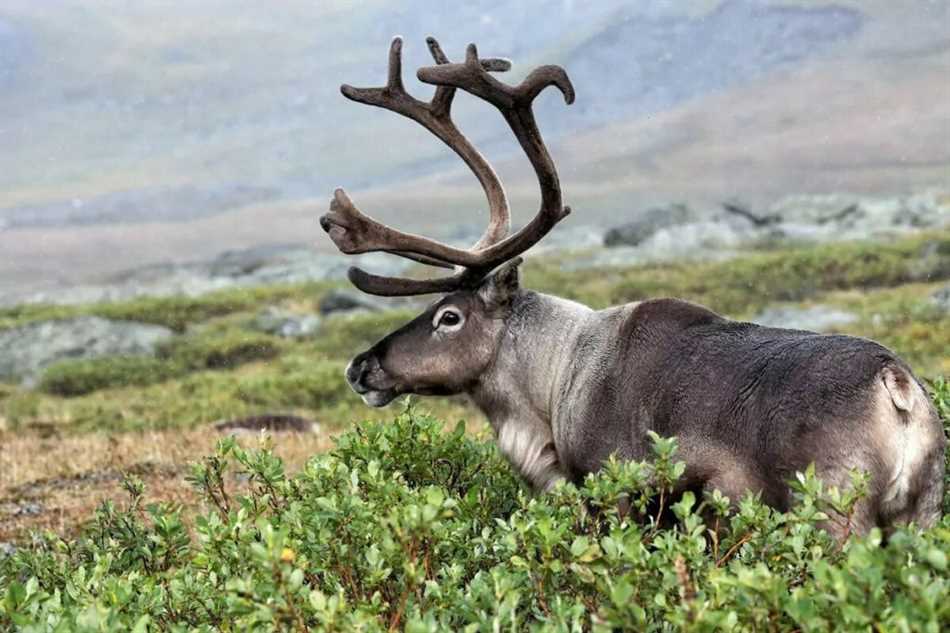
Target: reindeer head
(446,348)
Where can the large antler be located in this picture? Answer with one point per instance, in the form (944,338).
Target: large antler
(354,232)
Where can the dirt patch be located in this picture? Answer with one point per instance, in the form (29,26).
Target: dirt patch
(271,423)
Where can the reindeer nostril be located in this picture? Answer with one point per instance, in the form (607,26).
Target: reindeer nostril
(359,370)
(354,371)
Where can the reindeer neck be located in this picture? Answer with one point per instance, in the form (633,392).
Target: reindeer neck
(537,346)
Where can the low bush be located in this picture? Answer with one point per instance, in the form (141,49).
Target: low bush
(309,385)
(177,313)
(405,526)
(197,352)
(940,392)
(219,350)
(78,377)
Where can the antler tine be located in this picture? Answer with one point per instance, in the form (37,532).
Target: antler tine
(442,99)
(402,287)
(472,77)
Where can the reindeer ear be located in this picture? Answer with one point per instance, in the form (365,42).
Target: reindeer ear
(502,285)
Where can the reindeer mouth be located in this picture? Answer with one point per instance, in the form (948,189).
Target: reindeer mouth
(370,381)
(378,398)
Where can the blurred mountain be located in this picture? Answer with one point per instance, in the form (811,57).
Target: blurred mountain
(140,131)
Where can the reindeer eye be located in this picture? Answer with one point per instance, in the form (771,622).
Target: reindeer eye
(448,318)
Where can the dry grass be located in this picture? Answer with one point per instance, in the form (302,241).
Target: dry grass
(55,482)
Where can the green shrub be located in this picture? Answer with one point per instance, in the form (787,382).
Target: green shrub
(309,385)
(78,377)
(220,350)
(940,391)
(406,527)
(176,312)
(214,350)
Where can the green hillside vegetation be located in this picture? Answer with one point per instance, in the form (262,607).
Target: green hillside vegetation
(219,369)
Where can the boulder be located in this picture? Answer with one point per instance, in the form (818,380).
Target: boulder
(26,350)
(707,240)
(237,263)
(568,238)
(285,324)
(838,216)
(647,224)
(817,318)
(347,301)
(941,299)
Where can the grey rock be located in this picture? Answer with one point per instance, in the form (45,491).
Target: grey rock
(739,209)
(266,265)
(7,549)
(831,217)
(834,209)
(347,301)
(648,224)
(236,263)
(707,240)
(285,324)
(26,350)
(567,238)
(664,233)
(816,318)
(30,508)
(677,233)
(941,299)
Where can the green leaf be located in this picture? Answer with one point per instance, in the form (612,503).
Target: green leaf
(937,558)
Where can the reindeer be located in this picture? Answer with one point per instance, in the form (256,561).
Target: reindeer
(564,386)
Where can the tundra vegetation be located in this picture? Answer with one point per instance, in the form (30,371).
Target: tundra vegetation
(125,512)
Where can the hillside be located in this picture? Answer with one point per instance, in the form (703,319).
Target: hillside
(155,134)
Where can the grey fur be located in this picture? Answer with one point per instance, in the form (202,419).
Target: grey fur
(565,386)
